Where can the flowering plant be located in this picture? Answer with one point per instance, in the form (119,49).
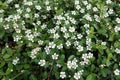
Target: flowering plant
(59,39)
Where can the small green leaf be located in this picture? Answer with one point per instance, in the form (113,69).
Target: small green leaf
(104,72)
(32,77)
(91,76)
(6,56)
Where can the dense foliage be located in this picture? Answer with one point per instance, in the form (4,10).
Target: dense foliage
(59,40)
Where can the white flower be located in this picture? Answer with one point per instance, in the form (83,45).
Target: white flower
(15,61)
(40,42)
(77,76)
(108,1)
(54,56)
(56,36)
(73,12)
(117,50)
(68,43)
(62,75)
(103,43)
(95,9)
(52,45)
(86,25)
(69,64)
(118,20)
(90,55)
(117,72)
(117,28)
(60,46)
(78,7)
(27,16)
(79,36)
(48,8)
(28,10)
(66,35)
(82,10)
(110,11)
(87,17)
(6,27)
(47,2)
(85,2)
(80,48)
(72,64)
(76,2)
(47,50)
(42,62)
(16,5)
(71,29)
(38,7)
(43,26)
(58,65)
(88,6)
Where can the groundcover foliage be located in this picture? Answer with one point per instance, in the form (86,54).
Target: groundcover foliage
(59,40)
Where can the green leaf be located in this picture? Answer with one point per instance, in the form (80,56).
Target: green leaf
(59,11)
(102,31)
(1,72)
(2,32)
(32,77)
(8,71)
(111,37)
(91,76)
(103,72)
(2,63)
(6,56)
(26,66)
(109,54)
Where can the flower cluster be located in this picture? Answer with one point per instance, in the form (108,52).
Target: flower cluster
(60,39)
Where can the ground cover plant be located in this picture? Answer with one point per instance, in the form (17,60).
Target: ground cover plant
(59,40)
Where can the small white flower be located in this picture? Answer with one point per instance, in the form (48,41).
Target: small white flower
(38,7)
(62,75)
(79,36)
(108,1)
(28,10)
(77,76)
(56,36)
(87,17)
(117,50)
(95,9)
(88,6)
(48,8)
(76,2)
(54,56)
(82,10)
(110,11)
(68,43)
(90,55)
(69,64)
(117,28)
(85,2)
(118,20)
(42,62)
(60,46)
(15,61)
(71,29)
(78,7)
(117,72)
(52,45)
(66,35)
(16,5)
(40,42)
(80,48)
